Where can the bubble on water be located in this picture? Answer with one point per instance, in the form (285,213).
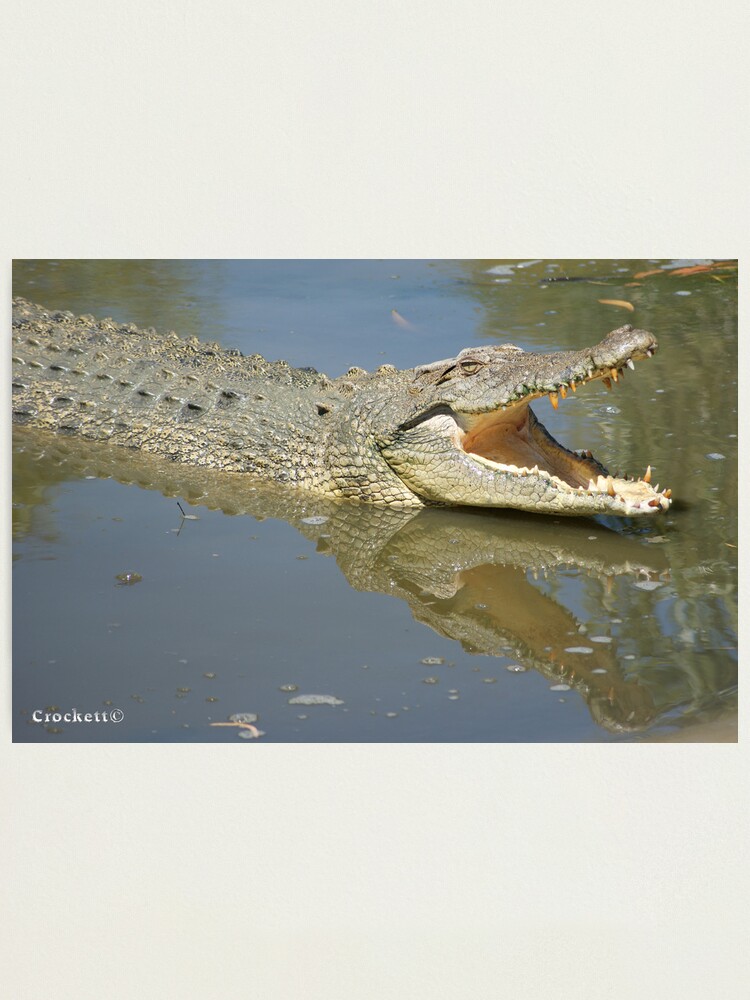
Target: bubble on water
(429,680)
(715,456)
(578,649)
(243,717)
(516,668)
(317,519)
(600,638)
(315,699)
(432,661)
(648,584)
(560,687)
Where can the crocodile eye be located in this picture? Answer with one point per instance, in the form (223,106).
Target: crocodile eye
(470,367)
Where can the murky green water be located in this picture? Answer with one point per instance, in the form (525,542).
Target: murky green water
(444,626)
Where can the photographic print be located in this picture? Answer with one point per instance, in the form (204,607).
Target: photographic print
(374,500)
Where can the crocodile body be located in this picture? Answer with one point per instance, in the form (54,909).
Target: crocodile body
(458,431)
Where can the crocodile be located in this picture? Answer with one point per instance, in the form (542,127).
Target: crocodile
(456,432)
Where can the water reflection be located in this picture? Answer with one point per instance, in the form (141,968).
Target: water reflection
(491,583)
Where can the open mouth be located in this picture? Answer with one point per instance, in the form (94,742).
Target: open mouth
(513,441)
(480,443)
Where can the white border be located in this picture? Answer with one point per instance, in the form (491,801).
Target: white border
(180,128)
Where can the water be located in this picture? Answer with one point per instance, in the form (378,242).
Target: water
(265,591)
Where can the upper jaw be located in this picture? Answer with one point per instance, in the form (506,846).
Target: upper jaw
(531,376)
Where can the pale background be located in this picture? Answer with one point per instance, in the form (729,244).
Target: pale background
(177,128)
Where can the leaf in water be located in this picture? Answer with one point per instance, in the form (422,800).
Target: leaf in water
(724,265)
(399,320)
(697,269)
(618,302)
(647,274)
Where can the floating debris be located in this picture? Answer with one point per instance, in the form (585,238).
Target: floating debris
(560,687)
(648,585)
(430,680)
(315,519)
(433,661)
(315,699)
(243,721)
(288,687)
(128,579)
(391,715)
(489,680)
(599,670)
(401,321)
(715,456)
(600,638)
(516,668)
(578,649)
(210,676)
(620,303)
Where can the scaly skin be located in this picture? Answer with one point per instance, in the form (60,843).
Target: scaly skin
(456,432)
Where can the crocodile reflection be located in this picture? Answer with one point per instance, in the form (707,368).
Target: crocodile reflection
(465,574)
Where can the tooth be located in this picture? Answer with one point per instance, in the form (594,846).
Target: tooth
(656,489)
(667,494)
(610,486)
(563,391)
(607,382)
(553,399)
(588,454)
(630,364)
(573,387)
(647,477)
(613,373)
(650,352)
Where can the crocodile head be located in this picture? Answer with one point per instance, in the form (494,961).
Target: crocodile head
(472,438)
